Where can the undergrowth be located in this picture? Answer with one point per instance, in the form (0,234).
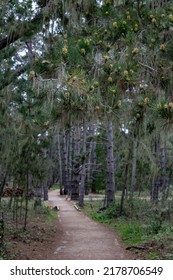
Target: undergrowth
(13,226)
(144,227)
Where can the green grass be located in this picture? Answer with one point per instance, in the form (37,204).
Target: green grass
(142,224)
(131,232)
(55,187)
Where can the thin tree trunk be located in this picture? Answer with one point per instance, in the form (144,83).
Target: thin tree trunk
(26,200)
(117,162)
(164,180)
(65,164)
(83,171)
(124,186)
(70,157)
(155,179)
(3,182)
(51,171)
(134,155)
(75,165)
(110,186)
(60,163)
(88,175)
(45,190)
(77,142)
(94,167)
(1,229)
(155,189)
(38,195)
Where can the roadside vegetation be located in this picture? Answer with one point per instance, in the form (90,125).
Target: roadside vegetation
(17,242)
(144,227)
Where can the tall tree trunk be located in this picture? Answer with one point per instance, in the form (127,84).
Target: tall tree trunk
(65,164)
(110,186)
(124,191)
(45,190)
(70,157)
(88,174)
(1,229)
(155,179)
(83,171)
(76,169)
(2,184)
(76,176)
(164,180)
(51,171)
(60,163)
(77,141)
(155,188)
(133,177)
(94,167)
(26,200)
(38,195)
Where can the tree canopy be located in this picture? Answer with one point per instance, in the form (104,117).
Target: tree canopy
(86,64)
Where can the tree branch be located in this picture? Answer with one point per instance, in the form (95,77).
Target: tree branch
(28,27)
(147,66)
(11,76)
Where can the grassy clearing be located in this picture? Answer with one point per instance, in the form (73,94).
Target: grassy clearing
(145,228)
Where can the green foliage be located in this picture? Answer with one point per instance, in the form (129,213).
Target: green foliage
(142,224)
(55,187)
(47,211)
(131,232)
(14,227)
(90,60)
(4,251)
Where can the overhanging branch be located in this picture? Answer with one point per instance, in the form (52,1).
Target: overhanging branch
(26,27)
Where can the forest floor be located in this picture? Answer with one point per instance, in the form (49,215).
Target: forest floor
(71,236)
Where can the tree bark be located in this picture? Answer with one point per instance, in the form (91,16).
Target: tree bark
(94,167)
(51,169)
(77,142)
(88,174)
(76,176)
(83,171)
(124,186)
(26,200)
(60,164)
(2,184)
(1,229)
(155,179)
(110,186)
(164,180)
(45,190)
(70,157)
(133,177)
(66,189)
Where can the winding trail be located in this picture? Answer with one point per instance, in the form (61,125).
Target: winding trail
(83,238)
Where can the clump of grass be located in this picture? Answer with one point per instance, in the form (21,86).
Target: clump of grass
(131,231)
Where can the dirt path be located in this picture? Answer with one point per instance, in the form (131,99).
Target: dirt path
(83,238)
